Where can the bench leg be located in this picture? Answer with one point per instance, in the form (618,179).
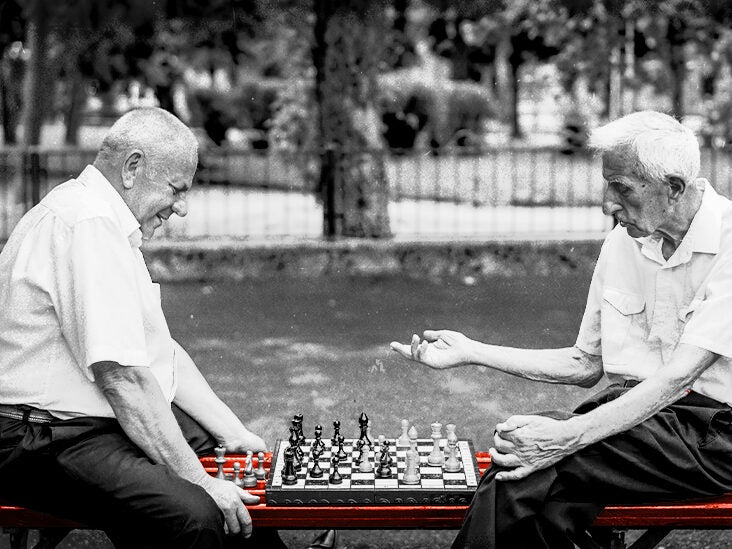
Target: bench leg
(18,537)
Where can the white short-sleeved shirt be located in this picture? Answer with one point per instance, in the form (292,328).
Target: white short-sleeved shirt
(75,290)
(641,306)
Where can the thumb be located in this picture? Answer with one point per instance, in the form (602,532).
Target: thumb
(247,498)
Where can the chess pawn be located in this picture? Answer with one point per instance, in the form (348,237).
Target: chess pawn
(412,434)
(411,471)
(452,464)
(220,460)
(403,439)
(385,461)
(259,472)
(341,452)
(335,475)
(436,458)
(316,471)
(450,429)
(249,480)
(236,479)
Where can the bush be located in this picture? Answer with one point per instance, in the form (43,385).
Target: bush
(448,114)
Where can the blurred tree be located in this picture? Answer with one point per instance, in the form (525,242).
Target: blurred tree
(347,47)
(12,66)
(502,33)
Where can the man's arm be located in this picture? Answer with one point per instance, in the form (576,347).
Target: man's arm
(446,349)
(195,396)
(146,418)
(529,443)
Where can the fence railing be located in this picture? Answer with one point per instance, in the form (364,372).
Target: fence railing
(514,192)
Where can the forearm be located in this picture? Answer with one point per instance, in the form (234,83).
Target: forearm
(568,365)
(196,397)
(644,400)
(146,418)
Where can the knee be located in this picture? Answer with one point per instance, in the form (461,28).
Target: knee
(202,523)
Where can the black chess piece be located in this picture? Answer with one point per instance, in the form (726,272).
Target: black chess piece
(296,450)
(335,475)
(289,475)
(318,442)
(385,462)
(336,432)
(359,445)
(316,471)
(363,422)
(297,423)
(341,452)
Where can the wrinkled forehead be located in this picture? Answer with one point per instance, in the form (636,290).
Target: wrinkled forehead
(620,161)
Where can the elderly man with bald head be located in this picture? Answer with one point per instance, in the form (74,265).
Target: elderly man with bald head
(102,413)
(657,326)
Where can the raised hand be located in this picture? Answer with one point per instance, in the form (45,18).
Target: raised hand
(439,349)
(528,443)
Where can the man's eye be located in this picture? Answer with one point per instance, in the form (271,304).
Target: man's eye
(622,189)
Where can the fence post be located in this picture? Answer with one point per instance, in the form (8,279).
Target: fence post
(328,174)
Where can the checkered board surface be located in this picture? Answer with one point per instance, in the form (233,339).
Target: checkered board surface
(436,487)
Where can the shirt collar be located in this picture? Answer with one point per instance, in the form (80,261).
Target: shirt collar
(703,235)
(93,179)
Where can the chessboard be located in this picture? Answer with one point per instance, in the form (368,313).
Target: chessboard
(435,487)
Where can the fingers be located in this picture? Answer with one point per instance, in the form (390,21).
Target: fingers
(415,346)
(513,423)
(404,350)
(515,474)
(504,460)
(243,518)
(503,445)
(249,499)
(431,335)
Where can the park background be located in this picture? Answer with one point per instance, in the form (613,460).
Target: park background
(367,170)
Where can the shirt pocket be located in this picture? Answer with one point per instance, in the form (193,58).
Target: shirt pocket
(622,325)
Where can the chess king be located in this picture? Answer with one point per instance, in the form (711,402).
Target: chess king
(657,324)
(102,413)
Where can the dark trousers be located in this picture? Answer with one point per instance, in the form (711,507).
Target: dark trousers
(87,470)
(684,451)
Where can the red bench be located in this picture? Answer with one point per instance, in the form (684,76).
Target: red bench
(656,520)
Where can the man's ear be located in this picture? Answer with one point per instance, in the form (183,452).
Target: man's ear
(131,165)
(676,187)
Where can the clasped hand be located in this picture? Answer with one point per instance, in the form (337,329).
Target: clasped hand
(439,349)
(527,443)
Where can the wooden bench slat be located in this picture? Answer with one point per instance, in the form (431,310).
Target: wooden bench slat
(708,513)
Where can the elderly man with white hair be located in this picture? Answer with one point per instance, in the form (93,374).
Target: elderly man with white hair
(657,325)
(102,413)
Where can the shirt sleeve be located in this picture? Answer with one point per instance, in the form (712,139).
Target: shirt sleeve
(97,298)
(588,338)
(708,320)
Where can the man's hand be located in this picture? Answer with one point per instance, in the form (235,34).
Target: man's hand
(526,444)
(439,349)
(231,499)
(245,441)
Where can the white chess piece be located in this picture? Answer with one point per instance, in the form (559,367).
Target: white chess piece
(403,439)
(436,457)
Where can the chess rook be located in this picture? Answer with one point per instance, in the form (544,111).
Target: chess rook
(436,457)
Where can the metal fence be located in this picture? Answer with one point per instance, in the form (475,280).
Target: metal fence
(502,192)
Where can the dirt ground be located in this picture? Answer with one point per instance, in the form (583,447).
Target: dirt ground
(273,348)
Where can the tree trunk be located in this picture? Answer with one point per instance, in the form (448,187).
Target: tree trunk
(35,90)
(352,180)
(75,113)
(515,61)
(677,64)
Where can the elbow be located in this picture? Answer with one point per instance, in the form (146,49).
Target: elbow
(119,382)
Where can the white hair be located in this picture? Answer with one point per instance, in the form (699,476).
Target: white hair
(661,145)
(163,138)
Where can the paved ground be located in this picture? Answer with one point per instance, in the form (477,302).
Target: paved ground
(320,347)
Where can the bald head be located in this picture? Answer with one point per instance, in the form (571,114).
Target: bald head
(162,138)
(149,157)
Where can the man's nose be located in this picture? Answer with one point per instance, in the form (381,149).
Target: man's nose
(180,206)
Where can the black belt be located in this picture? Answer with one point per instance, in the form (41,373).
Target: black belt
(25,413)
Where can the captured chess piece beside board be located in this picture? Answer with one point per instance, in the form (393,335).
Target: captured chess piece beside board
(404,470)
